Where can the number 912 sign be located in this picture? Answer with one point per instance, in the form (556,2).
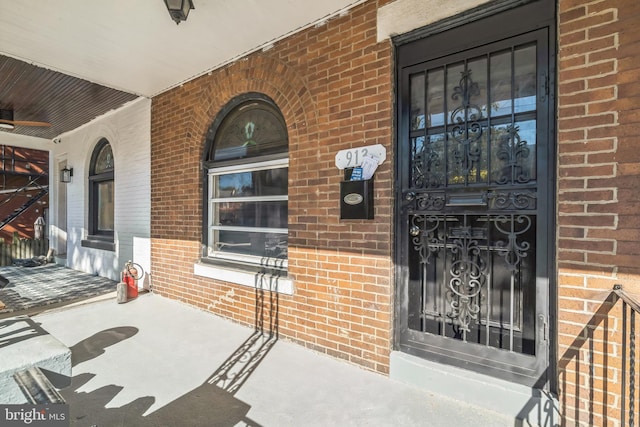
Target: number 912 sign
(353,157)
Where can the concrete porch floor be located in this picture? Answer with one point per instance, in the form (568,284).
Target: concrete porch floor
(158,362)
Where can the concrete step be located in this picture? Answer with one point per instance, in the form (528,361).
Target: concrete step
(25,344)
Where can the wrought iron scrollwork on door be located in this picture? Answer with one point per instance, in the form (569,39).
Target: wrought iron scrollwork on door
(467,276)
(512,199)
(466,129)
(467,271)
(430,201)
(426,162)
(425,236)
(513,250)
(512,150)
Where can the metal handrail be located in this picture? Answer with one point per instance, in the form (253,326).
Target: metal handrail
(634,305)
(15,214)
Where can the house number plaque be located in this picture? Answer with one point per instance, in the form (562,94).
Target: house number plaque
(353,157)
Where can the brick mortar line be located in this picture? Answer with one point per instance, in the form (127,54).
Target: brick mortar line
(586,55)
(611,349)
(579,190)
(584,251)
(587,203)
(599,101)
(595,365)
(576,178)
(583,142)
(582,337)
(577,324)
(604,292)
(587,240)
(587,29)
(582,116)
(567,68)
(614,354)
(588,276)
(591,264)
(579,214)
(590,165)
(581,299)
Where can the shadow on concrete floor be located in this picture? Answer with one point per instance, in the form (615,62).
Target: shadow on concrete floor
(211,404)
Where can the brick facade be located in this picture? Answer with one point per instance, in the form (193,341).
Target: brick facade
(333,84)
(598,229)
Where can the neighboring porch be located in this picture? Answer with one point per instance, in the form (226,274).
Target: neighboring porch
(28,290)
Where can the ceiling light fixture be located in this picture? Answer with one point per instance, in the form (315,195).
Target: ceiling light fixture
(179,9)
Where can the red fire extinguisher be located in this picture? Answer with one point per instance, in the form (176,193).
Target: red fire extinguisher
(130,275)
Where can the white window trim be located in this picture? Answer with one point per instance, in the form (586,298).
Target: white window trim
(250,199)
(244,167)
(262,281)
(249,167)
(276,263)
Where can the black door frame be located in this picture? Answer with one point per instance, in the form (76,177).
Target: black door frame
(505,19)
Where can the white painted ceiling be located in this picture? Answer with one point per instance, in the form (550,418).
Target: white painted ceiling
(134,46)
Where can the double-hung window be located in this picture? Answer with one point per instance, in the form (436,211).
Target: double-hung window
(247,186)
(101,222)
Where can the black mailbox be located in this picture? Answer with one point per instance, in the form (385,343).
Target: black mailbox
(356,199)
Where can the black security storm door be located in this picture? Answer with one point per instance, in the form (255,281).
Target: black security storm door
(473,207)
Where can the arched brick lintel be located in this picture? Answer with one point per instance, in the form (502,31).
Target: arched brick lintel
(260,74)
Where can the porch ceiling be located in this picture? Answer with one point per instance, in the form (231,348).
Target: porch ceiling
(69,61)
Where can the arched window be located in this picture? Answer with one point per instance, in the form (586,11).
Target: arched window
(246,184)
(101,197)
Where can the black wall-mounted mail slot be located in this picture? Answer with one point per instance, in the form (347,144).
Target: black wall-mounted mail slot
(356,199)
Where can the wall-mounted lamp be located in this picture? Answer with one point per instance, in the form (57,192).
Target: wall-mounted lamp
(179,9)
(66,174)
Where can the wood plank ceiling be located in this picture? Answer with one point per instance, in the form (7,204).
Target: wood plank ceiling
(38,94)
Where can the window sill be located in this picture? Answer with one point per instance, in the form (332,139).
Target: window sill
(105,245)
(267,282)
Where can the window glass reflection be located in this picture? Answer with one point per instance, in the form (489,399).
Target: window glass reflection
(105,206)
(269,182)
(417,102)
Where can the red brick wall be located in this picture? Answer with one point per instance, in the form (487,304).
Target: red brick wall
(333,84)
(598,199)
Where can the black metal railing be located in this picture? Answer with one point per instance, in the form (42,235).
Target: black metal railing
(18,211)
(628,394)
(597,372)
